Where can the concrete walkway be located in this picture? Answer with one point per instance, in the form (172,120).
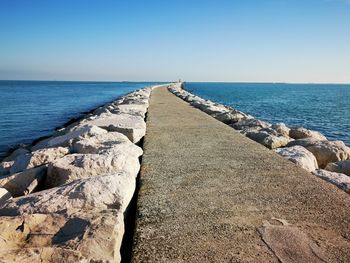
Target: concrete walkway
(209,194)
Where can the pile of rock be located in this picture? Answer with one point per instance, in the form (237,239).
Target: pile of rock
(329,160)
(64,198)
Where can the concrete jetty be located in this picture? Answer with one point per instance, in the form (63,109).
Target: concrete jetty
(209,194)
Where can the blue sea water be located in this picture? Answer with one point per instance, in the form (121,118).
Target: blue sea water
(31,109)
(321,107)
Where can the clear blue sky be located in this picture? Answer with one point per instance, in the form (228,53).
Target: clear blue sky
(196,40)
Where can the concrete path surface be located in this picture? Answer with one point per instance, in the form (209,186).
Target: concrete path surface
(209,194)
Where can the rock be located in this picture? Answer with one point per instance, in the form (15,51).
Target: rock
(14,154)
(231,117)
(83,237)
(73,133)
(251,123)
(25,182)
(110,143)
(270,141)
(339,167)
(324,151)
(304,142)
(134,127)
(340,180)
(77,166)
(302,133)
(133,109)
(281,128)
(329,151)
(37,158)
(5,167)
(4,196)
(112,191)
(300,156)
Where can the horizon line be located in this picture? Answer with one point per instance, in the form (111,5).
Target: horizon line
(159,81)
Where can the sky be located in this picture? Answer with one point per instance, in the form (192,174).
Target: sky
(164,40)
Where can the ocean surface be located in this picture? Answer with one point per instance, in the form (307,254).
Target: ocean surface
(31,109)
(321,107)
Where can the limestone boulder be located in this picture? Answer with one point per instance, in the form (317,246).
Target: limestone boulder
(68,135)
(328,152)
(25,182)
(302,133)
(132,109)
(246,123)
(112,143)
(83,237)
(78,166)
(4,196)
(281,128)
(231,117)
(134,127)
(338,179)
(112,191)
(15,153)
(304,142)
(300,156)
(269,139)
(37,158)
(339,167)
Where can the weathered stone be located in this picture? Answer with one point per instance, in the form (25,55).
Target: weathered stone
(304,142)
(64,140)
(110,143)
(4,196)
(231,117)
(37,158)
(132,109)
(25,182)
(14,154)
(134,127)
(300,156)
(281,128)
(83,237)
(250,123)
(339,167)
(103,192)
(329,151)
(302,133)
(270,140)
(77,166)
(340,180)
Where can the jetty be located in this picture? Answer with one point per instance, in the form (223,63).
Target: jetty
(209,194)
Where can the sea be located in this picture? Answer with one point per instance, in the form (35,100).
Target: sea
(321,107)
(32,109)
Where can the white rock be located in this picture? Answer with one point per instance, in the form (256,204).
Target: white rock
(339,167)
(302,133)
(251,123)
(132,109)
(77,166)
(281,128)
(73,133)
(37,158)
(113,191)
(89,236)
(329,151)
(25,182)
(300,156)
(4,196)
(134,127)
(112,143)
(340,180)
(231,117)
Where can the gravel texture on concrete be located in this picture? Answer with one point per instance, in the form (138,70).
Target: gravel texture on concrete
(209,194)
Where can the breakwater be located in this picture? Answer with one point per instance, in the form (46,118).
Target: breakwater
(329,160)
(65,197)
